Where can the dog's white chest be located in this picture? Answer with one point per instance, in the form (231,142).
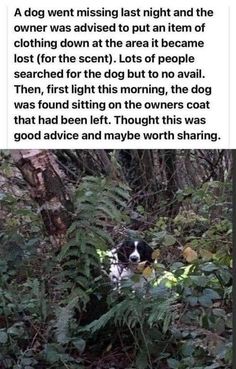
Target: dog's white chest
(119,274)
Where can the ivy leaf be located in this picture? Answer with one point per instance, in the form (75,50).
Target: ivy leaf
(225,275)
(205,301)
(211,293)
(192,300)
(159,236)
(209,267)
(169,240)
(199,280)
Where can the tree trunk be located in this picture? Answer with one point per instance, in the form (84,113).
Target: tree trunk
(172,185)
(40,170)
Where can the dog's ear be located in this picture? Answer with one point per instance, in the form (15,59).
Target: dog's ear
(148,253)
(121,253)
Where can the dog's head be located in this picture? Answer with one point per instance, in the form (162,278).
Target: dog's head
(134,252)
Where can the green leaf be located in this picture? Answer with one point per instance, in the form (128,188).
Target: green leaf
(205,301)
(200,281)
(159,236)
(16,330)
(122,191)
(219,312)
(27,362)
(213,366)
(2,196)
(3,337)
(193,300)
(3,266)
(176,266)
(159,292)
(225,275)
(229,353)
(166,323)
(169,240)
(80,344)
(209,267)
(173,364)
(211,293)
(52,353)
(187,349)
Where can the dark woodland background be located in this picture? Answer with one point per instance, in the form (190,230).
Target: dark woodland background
(62,211)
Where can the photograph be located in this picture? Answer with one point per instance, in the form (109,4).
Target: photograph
(116,259)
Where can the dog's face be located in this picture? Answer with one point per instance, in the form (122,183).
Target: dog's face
(134,252)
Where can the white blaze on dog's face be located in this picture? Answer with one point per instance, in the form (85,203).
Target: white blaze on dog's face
(134,257)
(128,255)
(134,252)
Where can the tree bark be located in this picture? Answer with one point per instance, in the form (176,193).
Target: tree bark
(40,170)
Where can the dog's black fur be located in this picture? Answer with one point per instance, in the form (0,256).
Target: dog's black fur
(126,258)
(127,248)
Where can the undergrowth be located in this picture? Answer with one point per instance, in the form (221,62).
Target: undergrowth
(57,311)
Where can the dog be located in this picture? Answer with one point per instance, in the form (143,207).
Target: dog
(129,259)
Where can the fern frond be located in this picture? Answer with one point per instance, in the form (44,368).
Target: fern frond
(98,202)
(63,316)
(96,325)
(122,191)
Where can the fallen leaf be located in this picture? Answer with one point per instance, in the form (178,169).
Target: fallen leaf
(189,254)
(156,254)
(140,267)
(147,272)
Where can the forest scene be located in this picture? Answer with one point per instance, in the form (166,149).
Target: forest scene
(62,212)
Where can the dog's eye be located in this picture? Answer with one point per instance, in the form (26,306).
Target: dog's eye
(130,249)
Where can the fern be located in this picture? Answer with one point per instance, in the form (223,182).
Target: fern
(159,311)
(63,316)
(113,314)
(99,202)
(136,310)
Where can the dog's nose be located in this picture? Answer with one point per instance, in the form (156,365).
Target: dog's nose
(134,258)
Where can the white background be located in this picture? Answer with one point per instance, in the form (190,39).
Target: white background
(218,60)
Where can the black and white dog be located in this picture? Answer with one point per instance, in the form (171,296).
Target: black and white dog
(127,258)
